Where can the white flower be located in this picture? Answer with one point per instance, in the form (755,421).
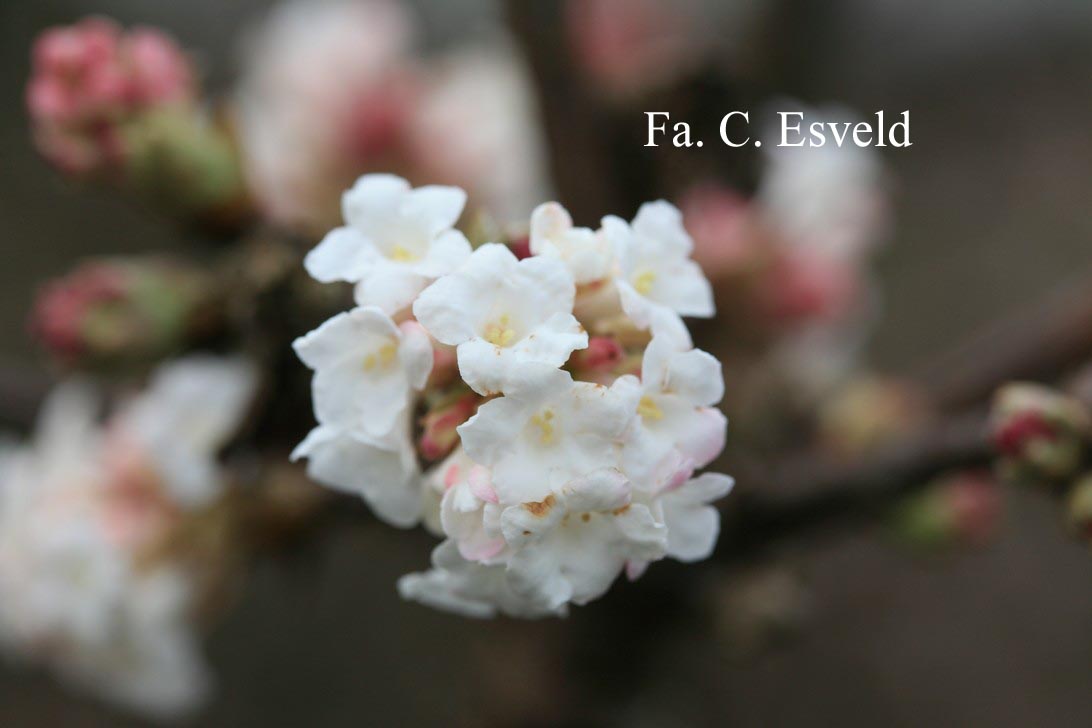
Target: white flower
(571,546)
(551,434)
(655,273)
(327,90)
(469,588)
(72,597)
(510,319)
(182,420)
(396,240)
(366,368)
(384,473)
(692,524)
(679,386)
(586,253)
(470,514)
(830,200)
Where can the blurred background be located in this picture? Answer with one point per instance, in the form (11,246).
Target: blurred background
(989,211)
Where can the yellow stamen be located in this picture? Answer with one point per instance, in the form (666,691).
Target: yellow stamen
(383,356)
(643,281)
(544,424)
(649,410)
(401,254)
(500,333)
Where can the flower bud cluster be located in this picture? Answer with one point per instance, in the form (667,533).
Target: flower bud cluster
(579,416)
(109,310)
(90,79)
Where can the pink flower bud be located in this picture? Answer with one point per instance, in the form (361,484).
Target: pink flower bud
(439,436)
(89,80)
(726,242)
(602,355)
(803,286)
(1039,433)
(964,507)
(110,309)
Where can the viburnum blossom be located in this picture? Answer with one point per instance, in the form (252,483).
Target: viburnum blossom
(85,586)
(655,272)
(396,239)
(509,318)
(569,459)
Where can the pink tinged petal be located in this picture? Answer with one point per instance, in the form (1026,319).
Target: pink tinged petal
(481,486)
(703,435)
(437,207)
(635,569)
(343,255)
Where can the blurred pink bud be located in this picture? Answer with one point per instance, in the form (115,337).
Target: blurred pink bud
(439,436)
(804,286)
(602,355)
(89,79)
(1039,433)
(110,309)
(64,304)
(445,367)
(629,46)
(974,502)
(963,507)
(521,246)
(726,241)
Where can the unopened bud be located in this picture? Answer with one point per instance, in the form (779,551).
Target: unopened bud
(439,436)
(602,356)
(964,507)
(1038,432)
(105,311)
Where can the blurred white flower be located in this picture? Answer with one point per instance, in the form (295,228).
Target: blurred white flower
(830,200)
(476,126)
(585,252)
(180,422)
(80,505)
(396,240)
(327,92)
(336,88)
(655,273)
(510,319)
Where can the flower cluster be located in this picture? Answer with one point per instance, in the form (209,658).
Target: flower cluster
(87,585)
(576,420)
(89,79)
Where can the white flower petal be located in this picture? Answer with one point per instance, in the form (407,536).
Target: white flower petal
(389,287)
(343,255)
(448,251)
(437,207)
(692,525)
(663,222)
(374,197)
